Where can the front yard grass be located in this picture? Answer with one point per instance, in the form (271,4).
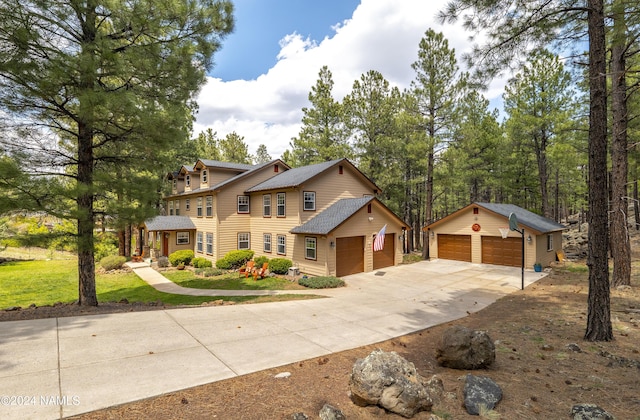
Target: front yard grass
(43,283)
(229,281)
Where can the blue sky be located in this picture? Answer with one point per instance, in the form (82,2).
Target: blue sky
(264,71)
(260,25)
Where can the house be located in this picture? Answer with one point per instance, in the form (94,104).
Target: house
(323,217)
(473,234)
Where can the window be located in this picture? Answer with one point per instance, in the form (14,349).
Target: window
(266,241)
(243,241)
(550,242)
(188,180)
(310,248)
(266,205)
(282,244)
(182,238)
(177,206)
(175,184)
(187,204)
(309,200)
(340,170)
(369,208)
(199,206)
(209,243)
(199,241)
(475,210)
(243,204)
(170,208)
(209,206)
(276,168)
(204,176)
(280,202)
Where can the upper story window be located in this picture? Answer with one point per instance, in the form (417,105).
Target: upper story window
(177,206)
(209,206)
(243,204)
(266,205)
(199,206)
(182,238)
(276,168)
(550,242)
(204,176)
(281,204)
(170,208)
(175,184)
(309,201)
(187,204)
(243,241)
(187,180)
(282,244)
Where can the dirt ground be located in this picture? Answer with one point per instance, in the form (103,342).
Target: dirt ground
(541,376)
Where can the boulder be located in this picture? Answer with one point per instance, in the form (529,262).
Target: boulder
(589,412)
(388,380)
(480,391)
(329,412)
(464,348)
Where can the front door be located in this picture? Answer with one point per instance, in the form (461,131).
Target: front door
(165,245)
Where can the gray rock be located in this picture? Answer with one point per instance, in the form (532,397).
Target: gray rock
(574,347)
(330,412)
(391,382)
(300,416)
(589,412)
(464,348)
(480,390)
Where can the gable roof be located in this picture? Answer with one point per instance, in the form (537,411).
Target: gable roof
(169,223)
(525,217)
(333,216)
(253,170)
(297,176)
(224,165)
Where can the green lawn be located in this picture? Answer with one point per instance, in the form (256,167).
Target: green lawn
(47,282)
(230,281)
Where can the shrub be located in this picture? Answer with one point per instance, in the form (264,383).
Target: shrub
(234,259)
(112,262)
(181,257)
(280,265)
(209,272)
(201,262)
(163,262)
(261,260)
(321,282)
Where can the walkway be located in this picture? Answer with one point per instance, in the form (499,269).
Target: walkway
(52,368)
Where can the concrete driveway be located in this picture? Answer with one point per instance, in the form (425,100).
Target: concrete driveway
(53,368)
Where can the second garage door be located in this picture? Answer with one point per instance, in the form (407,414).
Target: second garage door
(349,255)
(454,247)
(386,257)
(496,250)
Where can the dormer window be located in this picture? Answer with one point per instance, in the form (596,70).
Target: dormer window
(187,180)
(276,168)
(175,183)
(204,176)
(340,169)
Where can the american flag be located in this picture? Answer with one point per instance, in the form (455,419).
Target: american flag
(378,242)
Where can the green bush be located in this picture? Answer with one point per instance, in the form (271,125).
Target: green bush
(321,282)
(181,257)
(261,260)
(112,262)
(280,265)
(209,272)
(201,262)
(234,259)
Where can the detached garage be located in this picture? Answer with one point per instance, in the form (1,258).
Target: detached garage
(473,234)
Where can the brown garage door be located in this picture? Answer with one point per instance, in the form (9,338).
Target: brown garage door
(349,255)
(507,251)
(385,258)
(454,247)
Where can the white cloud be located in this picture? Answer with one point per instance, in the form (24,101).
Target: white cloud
(381,35)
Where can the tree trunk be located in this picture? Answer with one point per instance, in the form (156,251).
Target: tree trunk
(86,218)
(428,198)
(620,245)
(599,306)
(121,239)
(127,240)
(636,204)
